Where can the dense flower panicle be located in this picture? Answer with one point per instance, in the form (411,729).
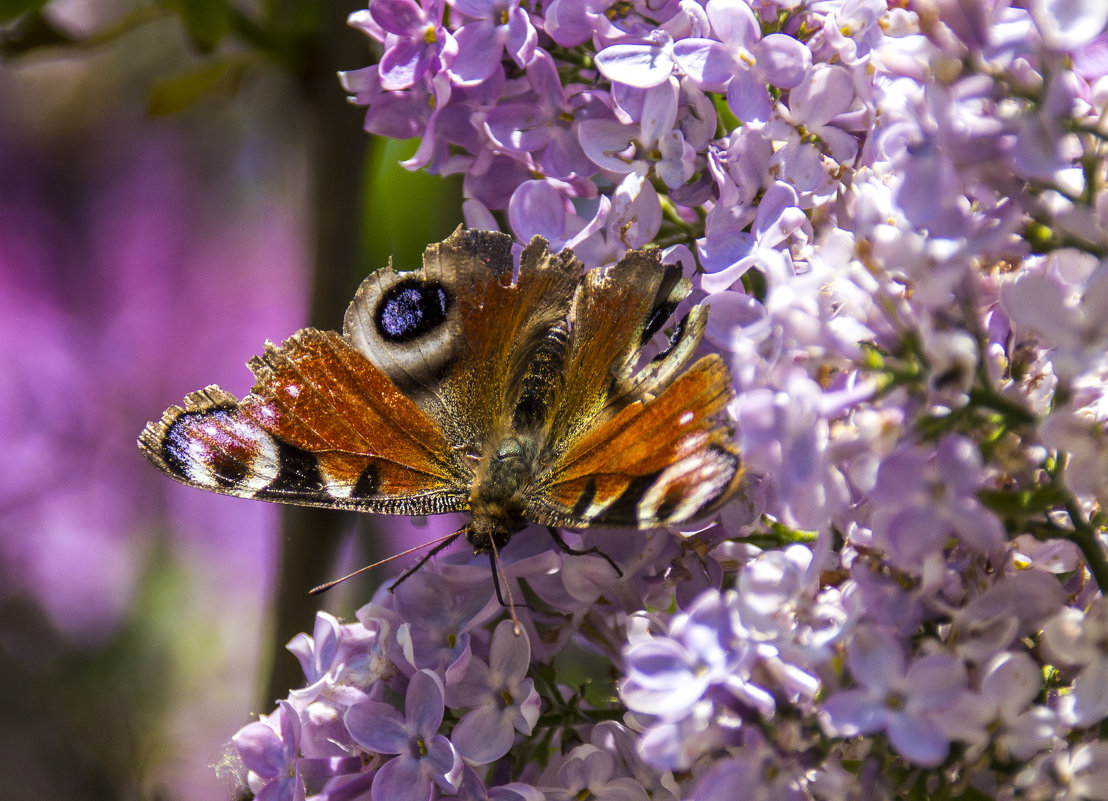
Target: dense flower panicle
(897,215)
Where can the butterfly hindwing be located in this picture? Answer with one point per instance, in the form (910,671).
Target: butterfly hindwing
(467,320)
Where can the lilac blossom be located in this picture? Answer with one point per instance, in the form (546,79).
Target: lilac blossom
(667,676)
(897,216)
(498,26)
(501,700)
(435,633)
(1002,715)
(424,758)
(936,497)
(269,750)
(758,773)
(906,701)
(589,772)
(741,61)
(415,41)
(1074,638)
(547,120)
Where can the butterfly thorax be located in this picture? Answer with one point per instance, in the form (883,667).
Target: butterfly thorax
(496,500)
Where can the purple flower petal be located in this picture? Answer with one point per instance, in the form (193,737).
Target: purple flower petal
(423,704)
(1067,25)
(828,92)
(404,63)
(638,65)
(920,740)
(537,209)
(662,678)
(478,9)
(707,62)
(377,727)
(479,52)
(875,658)
(510,654)
(853,712)
(483,735)
(282,791)
(522,37)
(623,788)
(443,763)
(607,143)
(733,21)
(261,750)
(782,60)
(748,98)
(402,17)
(936,681)
(401,779)
(568,22)
(659,111)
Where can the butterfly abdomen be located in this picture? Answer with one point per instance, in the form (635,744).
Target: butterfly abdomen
(541,384)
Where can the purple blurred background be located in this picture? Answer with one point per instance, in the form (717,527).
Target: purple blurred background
(143,257)
(140,259)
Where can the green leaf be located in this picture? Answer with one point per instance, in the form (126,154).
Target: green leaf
(183,89)
(10,9)
(405,210)
(207,21)
(727,119)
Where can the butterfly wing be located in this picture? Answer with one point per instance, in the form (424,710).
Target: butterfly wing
(635,445)
(661,460)
(322,426)
(456,334)
(616,311)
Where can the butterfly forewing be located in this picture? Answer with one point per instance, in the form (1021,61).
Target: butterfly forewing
(322,426)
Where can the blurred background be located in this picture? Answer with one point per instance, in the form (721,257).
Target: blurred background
(179,181)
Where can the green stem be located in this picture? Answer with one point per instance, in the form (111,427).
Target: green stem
(1084,534)
(985,395)
(1091,548)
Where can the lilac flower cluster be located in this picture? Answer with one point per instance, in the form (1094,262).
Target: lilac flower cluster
(898,212)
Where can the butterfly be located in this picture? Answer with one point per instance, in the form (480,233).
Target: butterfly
(512,391)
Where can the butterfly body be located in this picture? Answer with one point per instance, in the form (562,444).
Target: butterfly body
(473,384)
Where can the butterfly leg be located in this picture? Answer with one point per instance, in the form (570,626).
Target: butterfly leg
(496,579)
(424,560)
(567,548)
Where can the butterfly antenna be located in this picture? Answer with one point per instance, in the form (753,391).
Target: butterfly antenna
(440,543)
(498,574)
